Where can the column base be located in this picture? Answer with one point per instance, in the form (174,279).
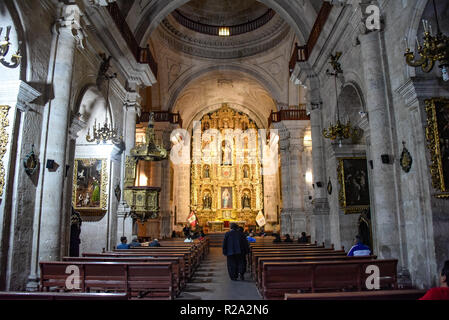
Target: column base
(404,279)
(32,284)
(124,223)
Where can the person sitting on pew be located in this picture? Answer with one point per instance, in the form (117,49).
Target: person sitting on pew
(251,238)
(303,238)
(155,243)
(173,234)
(135,243)
(123,244)
(442,292)
(277,238)
(359,249)
(287,238)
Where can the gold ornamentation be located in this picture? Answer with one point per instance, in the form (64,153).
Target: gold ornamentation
(406,159)
(239,172)
(4,122)
(354,192)
(438,139)
(434,48)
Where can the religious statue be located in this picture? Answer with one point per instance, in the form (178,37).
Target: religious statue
(245,172)
(206,172)
(207,201)
(226,199)
(226,153)
(246,201)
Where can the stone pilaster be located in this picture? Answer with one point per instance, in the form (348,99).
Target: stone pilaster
(385,221)
(68,35)
(293,216)
(131,109)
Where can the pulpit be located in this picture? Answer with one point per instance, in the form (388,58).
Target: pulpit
(142,198)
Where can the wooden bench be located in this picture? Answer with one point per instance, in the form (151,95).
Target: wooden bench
(61,296)
(279,278)
(263,259)
(295,253)
(178,268)
(190,264)
(360,295)
(142,280)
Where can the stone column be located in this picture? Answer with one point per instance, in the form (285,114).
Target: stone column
(384,210)
(68,34)
(131,109)
(291,133)
(284,145)
(320,229)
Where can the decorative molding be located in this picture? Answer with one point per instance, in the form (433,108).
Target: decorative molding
(18,94)
(179,38)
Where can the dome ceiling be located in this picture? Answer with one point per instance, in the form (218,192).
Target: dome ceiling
(223,12)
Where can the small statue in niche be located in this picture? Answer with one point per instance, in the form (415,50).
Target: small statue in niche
(246,201)
(206,172)
(207,201)
(245,172)
(226,154)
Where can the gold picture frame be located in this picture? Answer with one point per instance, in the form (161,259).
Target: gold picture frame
(90,184)
(437,135)
(354,185)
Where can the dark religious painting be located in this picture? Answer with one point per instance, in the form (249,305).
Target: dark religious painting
(354,186)
(89,184)
(437,134)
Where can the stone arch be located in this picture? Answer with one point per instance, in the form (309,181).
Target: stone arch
(351,103)
(92,106)
(153,14)
(186,79)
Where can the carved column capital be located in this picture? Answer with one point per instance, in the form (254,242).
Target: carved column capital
(69,23)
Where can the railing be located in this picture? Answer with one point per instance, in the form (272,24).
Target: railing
(162,116)
(213,30)
(302,53)
(284,115)
(142,55)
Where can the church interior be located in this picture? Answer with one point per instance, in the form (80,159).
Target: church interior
(140,118)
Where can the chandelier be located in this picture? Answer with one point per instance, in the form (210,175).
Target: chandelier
(435,48)
(340,130)
(4,49)
(104,133)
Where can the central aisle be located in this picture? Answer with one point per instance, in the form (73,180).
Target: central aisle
(211,282)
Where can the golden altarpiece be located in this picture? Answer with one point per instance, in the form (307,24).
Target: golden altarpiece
(226,180)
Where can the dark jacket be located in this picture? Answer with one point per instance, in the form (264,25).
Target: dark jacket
(231,243)
(244,245)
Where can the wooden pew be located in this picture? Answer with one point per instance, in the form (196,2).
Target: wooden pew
(295,253)
(142,280)
(412,294)
(279,278)
(191,261)
(188,269)
(61,296)
(263,259)
(178,268)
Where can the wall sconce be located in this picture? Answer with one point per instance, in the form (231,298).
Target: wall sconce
(4,49)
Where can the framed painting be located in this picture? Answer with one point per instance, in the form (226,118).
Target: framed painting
(437,134)
(226,197)
(354,185)
(90,182)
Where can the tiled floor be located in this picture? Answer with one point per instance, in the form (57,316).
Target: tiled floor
(211,282)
